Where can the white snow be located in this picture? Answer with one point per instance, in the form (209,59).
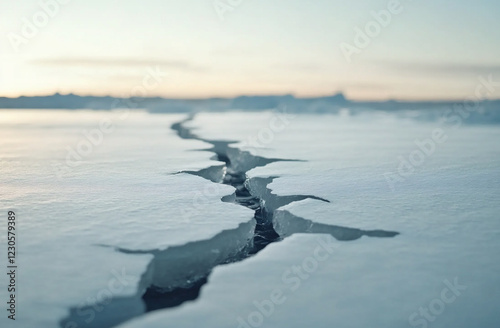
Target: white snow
(125,193)
(366,283)
(446,211)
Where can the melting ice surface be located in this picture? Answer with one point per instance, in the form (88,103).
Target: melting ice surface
(124,213)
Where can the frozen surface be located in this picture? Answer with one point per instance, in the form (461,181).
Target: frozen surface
(127,207)
(125,193)
(353,162)
(445,209)
(367,283)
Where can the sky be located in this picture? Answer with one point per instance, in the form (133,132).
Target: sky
(416,50)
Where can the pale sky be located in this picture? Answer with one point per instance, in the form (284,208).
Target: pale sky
(432,49)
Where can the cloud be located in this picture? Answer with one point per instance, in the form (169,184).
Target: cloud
(366,86)
(116,62)
(299,67)
(453,69)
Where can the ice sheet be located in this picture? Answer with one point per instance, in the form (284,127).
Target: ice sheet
(445,211)
(128,194)
(367,283)
(125,193)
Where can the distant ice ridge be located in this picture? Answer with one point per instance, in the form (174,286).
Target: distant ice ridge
(471,110)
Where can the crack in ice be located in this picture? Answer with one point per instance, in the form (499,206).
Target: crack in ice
(177,274)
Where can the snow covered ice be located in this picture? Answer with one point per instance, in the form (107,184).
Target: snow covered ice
(125,194)
(352,230)
(445,213)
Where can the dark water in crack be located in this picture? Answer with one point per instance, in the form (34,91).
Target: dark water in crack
(264,234)
(156,299)
(264,231)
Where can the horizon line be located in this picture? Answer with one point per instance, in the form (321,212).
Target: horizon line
(402,100)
